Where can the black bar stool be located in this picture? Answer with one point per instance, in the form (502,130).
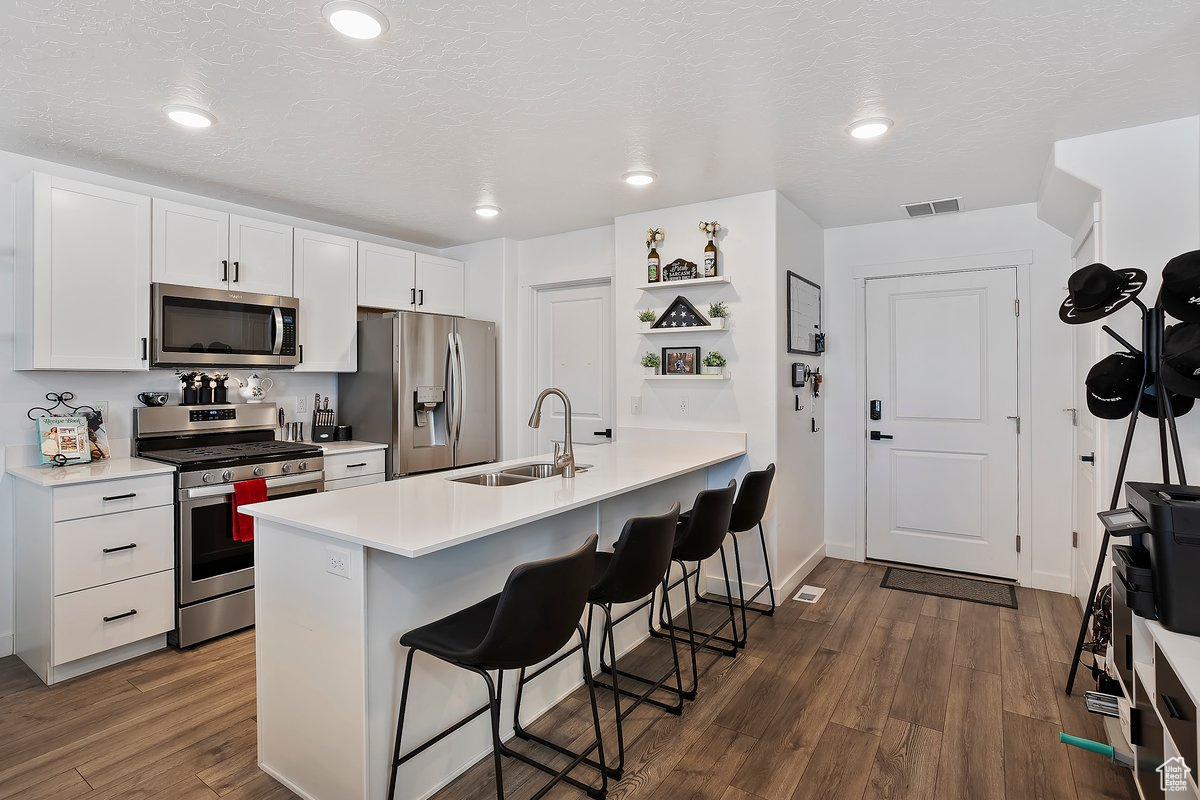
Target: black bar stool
(633,571)
(535,615)
(748,511)
(698,538)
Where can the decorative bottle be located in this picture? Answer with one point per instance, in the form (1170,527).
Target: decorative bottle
(710,259)
(652,272)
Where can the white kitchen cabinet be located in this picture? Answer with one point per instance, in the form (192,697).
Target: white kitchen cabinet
(387,277)
(260,256)
(82,277)
(440,285)
(194,246)
(190,245)
(326,282)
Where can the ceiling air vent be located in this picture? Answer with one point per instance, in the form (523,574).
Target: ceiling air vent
(931,207)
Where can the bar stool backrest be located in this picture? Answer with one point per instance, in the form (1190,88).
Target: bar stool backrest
(640,558)
(752,498)
(539,609)
(707,525)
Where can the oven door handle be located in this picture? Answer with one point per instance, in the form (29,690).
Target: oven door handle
(272,483)
(278,315)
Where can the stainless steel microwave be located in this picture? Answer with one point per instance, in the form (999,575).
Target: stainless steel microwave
(220,328)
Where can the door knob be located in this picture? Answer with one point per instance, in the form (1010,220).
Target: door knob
(876,436)
(606,433)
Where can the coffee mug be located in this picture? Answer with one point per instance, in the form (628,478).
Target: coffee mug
(153,398)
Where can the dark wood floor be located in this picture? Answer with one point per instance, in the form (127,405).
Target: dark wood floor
(869,694)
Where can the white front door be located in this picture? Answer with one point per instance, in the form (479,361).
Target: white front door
(573,351)
(1086,489)
(942,475)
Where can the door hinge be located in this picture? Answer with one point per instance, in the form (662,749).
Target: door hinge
(1016,308)
(1074,538)
(1018,421)
(1018,542)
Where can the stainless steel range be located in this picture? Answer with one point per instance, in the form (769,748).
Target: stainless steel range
(213,448)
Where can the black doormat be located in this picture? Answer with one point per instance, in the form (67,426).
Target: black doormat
(952,586)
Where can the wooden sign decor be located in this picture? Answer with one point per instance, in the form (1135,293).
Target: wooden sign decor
(680,270)
(681,314)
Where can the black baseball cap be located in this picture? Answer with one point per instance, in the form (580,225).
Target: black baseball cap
(1113,384)
(1180,404)
(1095,291)
(1180,368)
(1181,287)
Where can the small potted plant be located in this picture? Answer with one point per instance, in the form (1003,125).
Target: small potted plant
(714,364)
(646,317)
(650,364)
(717,314)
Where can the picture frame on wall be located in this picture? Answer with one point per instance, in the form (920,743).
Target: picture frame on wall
(804,334)
(681,361)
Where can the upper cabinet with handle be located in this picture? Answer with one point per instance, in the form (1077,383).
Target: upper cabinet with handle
(326,282)
(195,246)
(440,287)
(401,280)
(82,279)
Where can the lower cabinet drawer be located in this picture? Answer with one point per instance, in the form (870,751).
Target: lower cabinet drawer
(110,497)
(350,483)
(353,465)
(99,619)
(1175,706)
(97,550)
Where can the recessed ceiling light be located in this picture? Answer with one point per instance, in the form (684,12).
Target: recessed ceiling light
(639,177)
(354,19)
(487,211)
(869,128)
(189,116)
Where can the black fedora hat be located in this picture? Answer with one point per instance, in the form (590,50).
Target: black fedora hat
(1112,385)
(1181,287)
(1180,369)
(1095,291)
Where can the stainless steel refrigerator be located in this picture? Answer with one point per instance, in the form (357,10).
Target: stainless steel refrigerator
(425,386)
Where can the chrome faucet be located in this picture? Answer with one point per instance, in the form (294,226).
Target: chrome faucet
(564,461)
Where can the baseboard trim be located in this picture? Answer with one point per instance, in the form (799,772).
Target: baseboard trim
(6,645)
(1052,582)
(842,551)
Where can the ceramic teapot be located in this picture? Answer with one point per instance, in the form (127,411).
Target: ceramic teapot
(254,389)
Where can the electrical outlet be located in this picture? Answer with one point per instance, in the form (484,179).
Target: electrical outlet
(635,404)
(683,405)
(337,561)
(301,405)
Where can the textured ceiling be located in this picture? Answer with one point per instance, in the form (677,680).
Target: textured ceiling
(539,106)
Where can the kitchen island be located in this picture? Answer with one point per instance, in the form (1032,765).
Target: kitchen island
(340,576)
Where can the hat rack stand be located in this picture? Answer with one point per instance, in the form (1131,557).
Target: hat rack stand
(1153,328)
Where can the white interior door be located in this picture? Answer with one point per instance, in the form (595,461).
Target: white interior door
(941,360)
(573,351)
(1087,496)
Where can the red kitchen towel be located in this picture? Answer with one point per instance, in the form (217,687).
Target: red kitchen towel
(245,493)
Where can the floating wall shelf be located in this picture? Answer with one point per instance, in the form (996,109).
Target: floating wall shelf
(724,377)
(690,282)
(693,329)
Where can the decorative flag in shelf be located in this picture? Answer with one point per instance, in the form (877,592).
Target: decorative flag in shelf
(681,314)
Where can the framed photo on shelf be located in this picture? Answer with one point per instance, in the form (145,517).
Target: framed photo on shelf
(803,316)
(680,360)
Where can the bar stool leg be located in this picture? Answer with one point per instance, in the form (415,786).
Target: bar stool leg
(608,634)
(762,538)
(400,724)
(497,746)
(737,642)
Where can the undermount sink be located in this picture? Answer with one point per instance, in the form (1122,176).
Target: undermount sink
(514,476)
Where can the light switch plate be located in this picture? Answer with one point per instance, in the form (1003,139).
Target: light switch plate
(635,404)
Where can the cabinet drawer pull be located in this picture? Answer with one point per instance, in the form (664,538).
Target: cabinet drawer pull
(1172,707)
(128,613)
(129,546)
(119,497)
(352,466)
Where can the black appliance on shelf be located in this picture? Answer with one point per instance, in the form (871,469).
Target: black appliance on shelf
(213,448)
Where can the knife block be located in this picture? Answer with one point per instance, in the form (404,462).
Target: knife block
(322,433)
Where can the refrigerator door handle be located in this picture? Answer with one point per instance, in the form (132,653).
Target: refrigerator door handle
(460,383)
(452,392)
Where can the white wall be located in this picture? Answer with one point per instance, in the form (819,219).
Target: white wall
(1149,180)
(989,231)
(21,390)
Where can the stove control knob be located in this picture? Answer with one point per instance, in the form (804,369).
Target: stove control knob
(207,477)
(286,468)
(303,465)
(227,475)
(259,472)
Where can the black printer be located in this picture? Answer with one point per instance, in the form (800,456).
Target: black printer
(1164,553)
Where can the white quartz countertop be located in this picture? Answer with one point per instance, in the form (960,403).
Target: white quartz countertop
(353,446)
(424,514)
(109,469)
